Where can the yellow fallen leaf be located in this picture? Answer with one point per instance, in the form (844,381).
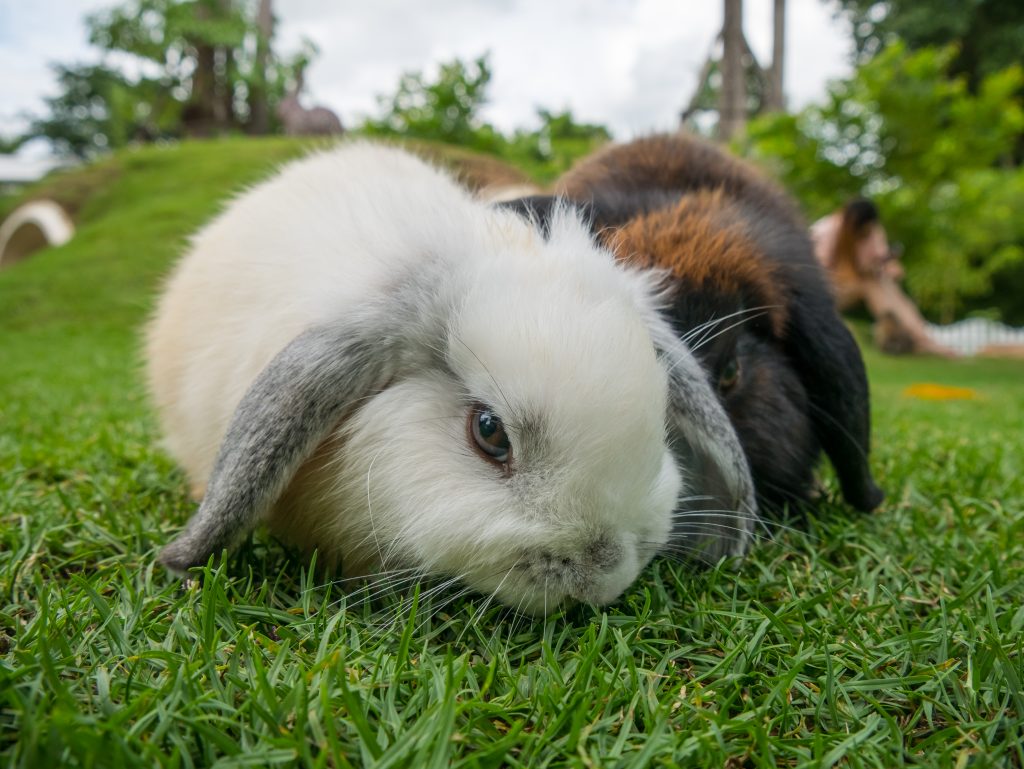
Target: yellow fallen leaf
(927,391)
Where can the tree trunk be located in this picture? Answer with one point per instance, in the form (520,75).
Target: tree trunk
(776,101)
(732,108)
(199,117)
(225,105)
(259,108)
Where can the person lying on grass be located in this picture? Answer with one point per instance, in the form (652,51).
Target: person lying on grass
(853,247)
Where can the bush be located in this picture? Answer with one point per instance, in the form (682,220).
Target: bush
(935,157)
(447,109)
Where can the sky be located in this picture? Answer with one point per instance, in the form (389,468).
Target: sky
(629,64)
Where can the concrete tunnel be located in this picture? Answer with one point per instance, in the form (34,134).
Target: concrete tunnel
(31,227)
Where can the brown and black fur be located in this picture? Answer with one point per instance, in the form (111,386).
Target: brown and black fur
(737,250)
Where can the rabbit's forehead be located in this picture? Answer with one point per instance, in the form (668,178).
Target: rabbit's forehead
(570,377)
(553,332)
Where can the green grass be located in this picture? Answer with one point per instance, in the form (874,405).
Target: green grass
(878,641)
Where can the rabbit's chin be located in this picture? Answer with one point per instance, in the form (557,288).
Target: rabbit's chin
(540,580)
(544,582)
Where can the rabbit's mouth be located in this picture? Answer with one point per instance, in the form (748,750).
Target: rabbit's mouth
(595,572)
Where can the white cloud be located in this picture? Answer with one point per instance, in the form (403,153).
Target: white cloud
(32,35)
(631,64)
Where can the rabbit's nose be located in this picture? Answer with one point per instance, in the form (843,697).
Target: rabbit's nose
(603,554)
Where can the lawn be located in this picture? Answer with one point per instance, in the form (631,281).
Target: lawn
(887,640)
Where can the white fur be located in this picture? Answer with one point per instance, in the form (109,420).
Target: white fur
(547,331)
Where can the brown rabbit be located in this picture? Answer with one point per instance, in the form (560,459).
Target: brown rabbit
(747,296)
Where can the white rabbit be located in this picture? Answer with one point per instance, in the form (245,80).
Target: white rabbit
(360,354)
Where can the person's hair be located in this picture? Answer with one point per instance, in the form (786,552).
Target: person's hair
(858,216)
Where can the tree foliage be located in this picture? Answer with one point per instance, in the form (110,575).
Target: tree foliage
(171,68)
(444,109)
(988,34)
(10,144)
(99,108)
(935,157)
(447,108)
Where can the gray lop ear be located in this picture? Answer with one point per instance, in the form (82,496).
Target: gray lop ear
(717,520)
(289,409)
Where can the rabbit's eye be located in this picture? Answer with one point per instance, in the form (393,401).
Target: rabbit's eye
(730,375)
(489,435)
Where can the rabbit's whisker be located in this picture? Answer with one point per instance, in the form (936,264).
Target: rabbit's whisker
(501,393)
(839,426)
(489,600)
(394,613)
(377,589)
(338,581)
(369,509)
(707,339)
(709,324)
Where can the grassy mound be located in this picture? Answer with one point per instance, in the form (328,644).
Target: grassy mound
(133,212)
(885,640)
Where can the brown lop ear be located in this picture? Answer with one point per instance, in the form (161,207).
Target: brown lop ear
(539,209)
(829,362)
(823,352)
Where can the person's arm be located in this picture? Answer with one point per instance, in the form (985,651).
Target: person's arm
(823,235)
(884,297)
